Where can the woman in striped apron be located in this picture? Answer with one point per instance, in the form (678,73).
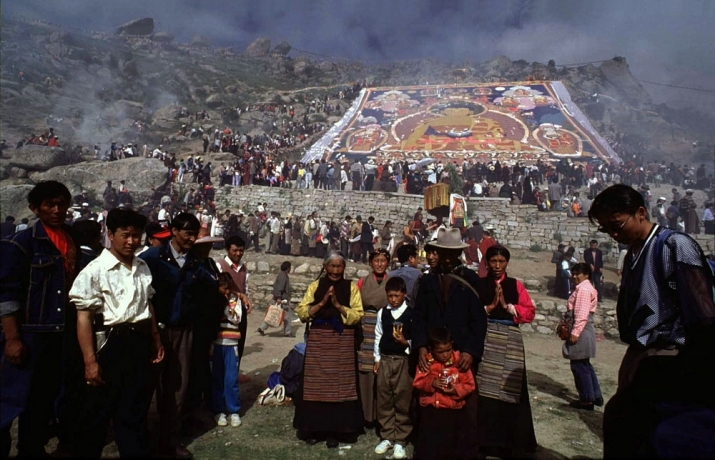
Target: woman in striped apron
(374,297)
(327,406)
(505,425)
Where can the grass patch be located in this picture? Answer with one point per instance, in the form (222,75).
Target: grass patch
(268,433)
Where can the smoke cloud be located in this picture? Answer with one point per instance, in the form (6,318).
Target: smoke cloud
(664,41)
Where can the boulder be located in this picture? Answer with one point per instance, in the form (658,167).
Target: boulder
(283,48)
(362,273)
(260,46)
(251,266)
(163,37)
(263,266)
(13,201)
(214,100)
(130,69)
(200,42)
(18,172)
(498,65)
(80,54)
(62,37)
(301,269)
(128,109)
(141,174)
(302,67)
(165,117)
(42,158)
(143,26)
(532,285)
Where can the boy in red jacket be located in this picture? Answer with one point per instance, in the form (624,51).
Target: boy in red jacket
(442,391)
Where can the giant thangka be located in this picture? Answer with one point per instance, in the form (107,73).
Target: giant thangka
(520,121)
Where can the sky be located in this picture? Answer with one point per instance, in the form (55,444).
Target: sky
(668,41)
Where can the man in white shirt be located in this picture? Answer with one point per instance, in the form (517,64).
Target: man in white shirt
(708,219)
(118,335)
(275,228)
(164,216)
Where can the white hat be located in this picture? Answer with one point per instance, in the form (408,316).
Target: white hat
(662,198)
(208,239)
(85,205)
(449,239)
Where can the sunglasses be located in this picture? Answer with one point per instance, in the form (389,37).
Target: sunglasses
(613,228)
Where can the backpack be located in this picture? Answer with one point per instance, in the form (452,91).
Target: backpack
(660,242)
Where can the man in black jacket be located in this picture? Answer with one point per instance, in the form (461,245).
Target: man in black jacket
(447,298)
(594,257)
(366,238)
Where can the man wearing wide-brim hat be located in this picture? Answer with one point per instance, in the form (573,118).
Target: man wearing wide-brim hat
(446,298)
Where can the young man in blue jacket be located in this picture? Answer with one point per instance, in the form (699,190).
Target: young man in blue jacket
(37,268)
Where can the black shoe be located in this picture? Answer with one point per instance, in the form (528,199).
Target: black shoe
(580,405)
(311,441)
(598,402)
(260,331)
(331,443)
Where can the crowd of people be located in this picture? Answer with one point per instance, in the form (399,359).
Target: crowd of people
(93,329)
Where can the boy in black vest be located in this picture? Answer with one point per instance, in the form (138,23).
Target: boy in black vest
(394,383)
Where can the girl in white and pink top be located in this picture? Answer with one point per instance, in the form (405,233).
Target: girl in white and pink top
(581,345)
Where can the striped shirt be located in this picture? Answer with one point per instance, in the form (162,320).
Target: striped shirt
(583,302)
(229,333)
(654,314)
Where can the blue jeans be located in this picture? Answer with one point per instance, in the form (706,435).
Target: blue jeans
(224,380)
(29,392)
(586,381)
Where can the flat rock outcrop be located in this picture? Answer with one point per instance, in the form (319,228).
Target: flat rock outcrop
(163,37)
(143,26)
(41,158)
(13,201)
(140,175)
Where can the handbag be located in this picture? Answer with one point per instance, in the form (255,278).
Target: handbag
(563,329)
(274,315)
(275,396)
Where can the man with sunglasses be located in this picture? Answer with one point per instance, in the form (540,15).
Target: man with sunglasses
(664,402)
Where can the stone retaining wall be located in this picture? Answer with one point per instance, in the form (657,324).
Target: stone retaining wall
(520,226)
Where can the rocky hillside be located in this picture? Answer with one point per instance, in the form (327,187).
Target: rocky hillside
(131,86)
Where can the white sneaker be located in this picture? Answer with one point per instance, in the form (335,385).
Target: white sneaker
(235,420)
(383,447)
(221,420)
(399,452)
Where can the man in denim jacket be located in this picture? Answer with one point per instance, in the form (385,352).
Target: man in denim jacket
(37,268)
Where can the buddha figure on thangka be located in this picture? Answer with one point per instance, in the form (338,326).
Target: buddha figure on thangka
(522,122)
